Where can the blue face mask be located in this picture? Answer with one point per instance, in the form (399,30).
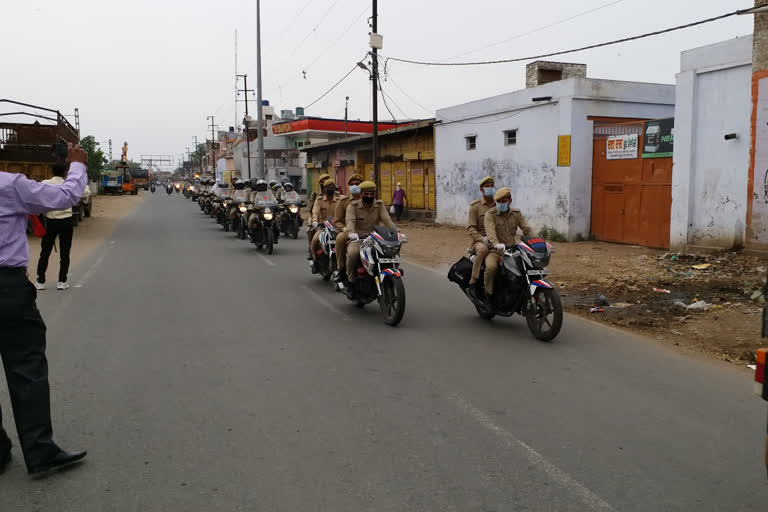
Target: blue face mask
(502,207)
(489,191)
(354,190)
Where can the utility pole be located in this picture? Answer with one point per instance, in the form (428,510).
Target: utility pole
(260,108)
(110,150)
(346,110)
(247,138)
(213,152)
(375,91)
(194,152)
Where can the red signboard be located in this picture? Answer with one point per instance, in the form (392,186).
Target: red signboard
(328,125)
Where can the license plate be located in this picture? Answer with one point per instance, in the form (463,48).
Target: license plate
(389,260)
(538,272)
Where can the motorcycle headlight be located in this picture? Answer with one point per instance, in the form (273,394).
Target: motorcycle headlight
(267,215)
(243,209)
(294,208)
(192,189)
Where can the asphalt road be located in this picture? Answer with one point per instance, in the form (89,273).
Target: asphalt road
(202,375)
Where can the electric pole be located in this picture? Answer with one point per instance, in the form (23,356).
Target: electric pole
(259,106)
(247,139)
(194,152)
(346,110)
(213,151)
(375,81)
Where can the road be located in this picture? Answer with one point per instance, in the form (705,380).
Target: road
(202,375)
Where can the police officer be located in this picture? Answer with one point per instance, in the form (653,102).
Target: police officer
(476,228)
(501,225)
(362,216)
(311,205)
(324,208)
(340,220)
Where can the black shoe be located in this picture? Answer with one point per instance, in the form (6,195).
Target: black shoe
(59,461)
(474,290)
(315,267)
(340,276)
(488,303)
(350,292)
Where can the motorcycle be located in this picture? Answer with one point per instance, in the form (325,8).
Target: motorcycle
(264,232)
(521,287)
(379,276)
(169,189)
(240,219)
(326,255)
(290,219)
(152,188)
(178,188)
(221,212)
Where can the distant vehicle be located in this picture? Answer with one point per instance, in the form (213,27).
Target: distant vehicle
(112,182)
(141,178)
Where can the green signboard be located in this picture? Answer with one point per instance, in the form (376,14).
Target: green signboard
(659,138)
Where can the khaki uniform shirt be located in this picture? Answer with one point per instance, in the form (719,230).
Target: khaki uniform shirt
(362,219)
(476,221)
(340,219)
(501,228)
(324,208)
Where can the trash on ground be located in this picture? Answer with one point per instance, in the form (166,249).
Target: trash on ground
(622,305)
(700,305)
(756,294)
(752,366)
(596,310)
(660,290)
(703,266)
(601,300)
(674,258)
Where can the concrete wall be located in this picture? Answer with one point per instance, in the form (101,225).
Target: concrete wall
(558,197)
(709,181)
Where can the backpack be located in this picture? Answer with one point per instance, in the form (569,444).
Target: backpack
(461,272)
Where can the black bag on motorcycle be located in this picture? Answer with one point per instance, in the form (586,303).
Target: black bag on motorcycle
(461,272)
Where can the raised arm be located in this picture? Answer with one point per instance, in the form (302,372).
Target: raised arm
(35,197)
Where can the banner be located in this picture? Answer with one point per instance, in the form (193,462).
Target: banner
(659,138)
(563,150)
(621,147)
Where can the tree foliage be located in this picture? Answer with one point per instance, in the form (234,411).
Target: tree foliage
(96,159)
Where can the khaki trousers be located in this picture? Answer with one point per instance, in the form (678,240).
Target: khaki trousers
(491,267)
(342,239)
(481,251)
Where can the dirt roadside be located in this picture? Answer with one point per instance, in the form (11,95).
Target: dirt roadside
(89,234)
(720,289)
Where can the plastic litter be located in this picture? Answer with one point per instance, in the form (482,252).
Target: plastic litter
(756,294)
(596,310)
(752,366)
(699,305)
(674,258)
(601,300)
(703,266)
(660,290)
(622,305)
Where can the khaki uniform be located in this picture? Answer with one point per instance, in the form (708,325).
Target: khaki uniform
(476,228)
(342,238)
(362,219)
(501,228)
(322,209)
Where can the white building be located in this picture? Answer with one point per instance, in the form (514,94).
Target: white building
(709,182)
(514,137)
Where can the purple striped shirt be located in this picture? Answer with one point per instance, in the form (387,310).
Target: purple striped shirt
(19,197)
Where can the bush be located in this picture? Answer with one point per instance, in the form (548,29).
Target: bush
(552,234)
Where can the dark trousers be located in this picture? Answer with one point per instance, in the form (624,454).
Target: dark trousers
(22,348)
(398,211)
(63,229)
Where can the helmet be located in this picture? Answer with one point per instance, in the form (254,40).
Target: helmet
(251,183)
(261,186)
(272,184)
(368,186)
(355,177)
(239,184)
(288,186)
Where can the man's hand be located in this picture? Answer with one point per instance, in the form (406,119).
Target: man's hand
(352,237)
(76,154)
(485,240)
(500,247)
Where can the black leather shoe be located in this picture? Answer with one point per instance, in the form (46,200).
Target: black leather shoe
(59,461)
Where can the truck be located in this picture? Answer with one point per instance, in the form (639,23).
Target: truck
(31,148)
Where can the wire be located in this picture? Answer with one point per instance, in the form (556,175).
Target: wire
(335,85)
(425,109)
(314,29)
(563,52)
(344,33)
(384,97)
(539,29)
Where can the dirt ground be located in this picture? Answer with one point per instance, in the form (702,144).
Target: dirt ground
(621,280)
(89,234)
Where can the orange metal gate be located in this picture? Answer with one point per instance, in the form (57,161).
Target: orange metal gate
(631,198)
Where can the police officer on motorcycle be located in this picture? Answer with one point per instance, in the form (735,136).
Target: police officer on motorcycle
(324,208)
(340,220)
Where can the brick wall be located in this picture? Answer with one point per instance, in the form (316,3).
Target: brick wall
(542,72)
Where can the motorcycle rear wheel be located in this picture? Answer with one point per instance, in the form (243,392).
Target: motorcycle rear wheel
(545,319)
(392,300)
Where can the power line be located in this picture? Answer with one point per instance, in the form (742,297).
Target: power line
(344,33)
(539,29)
(314,29)
(335,85)
(384,97)
(563,52)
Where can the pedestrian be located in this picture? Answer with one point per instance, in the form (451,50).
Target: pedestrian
(58,224)
(22,330)
(398,201)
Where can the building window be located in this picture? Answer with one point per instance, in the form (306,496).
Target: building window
(510,138)
(269,117)
(471,142)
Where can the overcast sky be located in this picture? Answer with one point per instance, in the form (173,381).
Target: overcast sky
(150,71)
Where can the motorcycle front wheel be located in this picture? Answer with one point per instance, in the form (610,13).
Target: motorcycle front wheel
(392,300)
(545,315)
(270,240)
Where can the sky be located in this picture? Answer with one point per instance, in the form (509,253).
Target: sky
(150,72)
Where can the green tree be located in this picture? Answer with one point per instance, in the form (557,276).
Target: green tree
(96,159)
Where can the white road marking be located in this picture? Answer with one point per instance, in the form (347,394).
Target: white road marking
(267,260)
(93,268)
(323,302)
(423,267)
(589,498)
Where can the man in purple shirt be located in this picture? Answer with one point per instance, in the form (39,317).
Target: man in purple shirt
(22,330)
(398,200)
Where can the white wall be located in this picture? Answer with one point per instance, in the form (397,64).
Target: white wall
(709,189)
(558,197)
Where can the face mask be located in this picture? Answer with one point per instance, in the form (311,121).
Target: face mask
(502,207)
(489,191)
(354,190)
(368,200)
(330,192)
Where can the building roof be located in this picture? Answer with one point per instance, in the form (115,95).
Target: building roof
(320,126)
(415,125)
